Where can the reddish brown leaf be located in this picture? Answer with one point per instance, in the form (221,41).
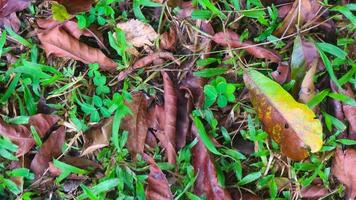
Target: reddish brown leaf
(21,135)
(76,6)
(7,12)
(343,168)
(136,124)
(97,136)
(50,149)
(194,86)
(230,38)
(313,191)
(169,39)
(157,185)
(350,115)
(282,74)
(147,60)
(206,182)
(61,43)
(183,120)
(308,10)
(307,88)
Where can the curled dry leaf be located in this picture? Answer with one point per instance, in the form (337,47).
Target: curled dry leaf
(76,6)
(344,169)
(194,85)
(138,33)
(50,149)
(8,9)
(136,123)
(63,41)
(157,185)
(183,124)
(21,135)
(307,88)
(169,39)
(207,181)
(170,108)
(282,74)
(307,9)
(230,38)
(97,136)
(277,110)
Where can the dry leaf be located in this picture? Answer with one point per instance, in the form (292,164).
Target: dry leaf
(21,134)
(97,136)
(138,33)
(344,169)
(136,124)
(307,88)
(157,185)
(277,109)
(61,43)
(8,9)
(169,39)
(282,74)
(76,6)
(230,38)
(50,149)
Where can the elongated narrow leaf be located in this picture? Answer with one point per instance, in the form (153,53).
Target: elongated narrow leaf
(291,124)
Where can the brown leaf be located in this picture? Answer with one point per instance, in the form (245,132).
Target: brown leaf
(193,85)
(21,135)
(76,6)
(183,124)
(350,115)
(314,191)
(308,10)
(8,9)
(97,136)
(169,39)
(138,33)
(61,43)
(282,74)
(50,149)
(206,182)
(157,185)
(136,124)
(230,38)
(307,88)
(343,168)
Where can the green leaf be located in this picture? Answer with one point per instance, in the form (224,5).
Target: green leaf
(88,192)
(345,10)
(234,154)
(332,49)
(328,66)
(36,136)
(17,37)
(201,14)
(59,12)
(346,141)
(210,95)
(101,187)
(2,41)
(204,136)
(319,97)
(206,61)
(11,88)
(82,21)
(66,170)
(222,101)
(344,98)
(210,72)
(250,178)
(209,5)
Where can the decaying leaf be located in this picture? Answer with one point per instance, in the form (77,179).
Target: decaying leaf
(136,124)
(231,39)
(278,110)
(169,39)
(63,41)
(97,136)
(138,33)
(282,74)
(8,9)
(302,11)
(313,191)
(307,88)
(344,169)
(207,181)
(21,134)
(76,6)
(50,149)
(157,185)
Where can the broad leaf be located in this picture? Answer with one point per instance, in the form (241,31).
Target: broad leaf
(291,124)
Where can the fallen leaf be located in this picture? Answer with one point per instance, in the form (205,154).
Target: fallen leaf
(50,149)
(183,124)
(231,39)
(277,109)
(350,115)
(8,9)
(307,88)
(21,134)
(136,124)
(343,168)
(157,185)
(76,6)
(313,191)
(308,10)
(207,181)
(170,109)
(81,163)
(282,74)
(138,33)
(97,136)
(194,85)
(61,43)
(169,39)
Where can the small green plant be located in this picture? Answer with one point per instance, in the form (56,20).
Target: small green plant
(219,91)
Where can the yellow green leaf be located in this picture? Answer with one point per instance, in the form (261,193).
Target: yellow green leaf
(60,12)
(291,124)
